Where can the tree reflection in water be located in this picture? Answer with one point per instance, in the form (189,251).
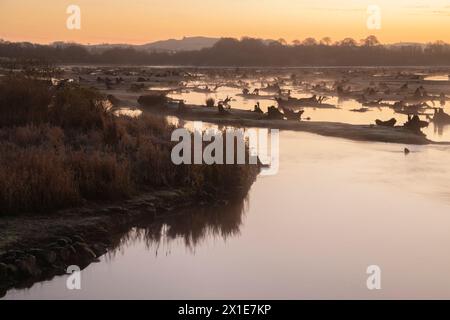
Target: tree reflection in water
(192,226)
(439,128)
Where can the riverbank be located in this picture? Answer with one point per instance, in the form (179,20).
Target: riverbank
(37,248)
(73,175)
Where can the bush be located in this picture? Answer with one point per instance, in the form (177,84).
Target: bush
(35,179)
(23,101)
(152,100)
(210,102)
(100,176)
(79,108)
(76,151)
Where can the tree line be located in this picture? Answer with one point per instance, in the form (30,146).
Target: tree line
(247,52)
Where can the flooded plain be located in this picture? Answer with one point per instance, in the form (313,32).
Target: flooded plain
(345,111)
(334,208)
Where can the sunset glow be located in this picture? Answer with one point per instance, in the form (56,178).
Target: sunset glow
(142,21)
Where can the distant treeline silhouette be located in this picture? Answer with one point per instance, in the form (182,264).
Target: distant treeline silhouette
(247,52)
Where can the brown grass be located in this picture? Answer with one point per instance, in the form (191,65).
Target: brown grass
(23,101)
(61,147)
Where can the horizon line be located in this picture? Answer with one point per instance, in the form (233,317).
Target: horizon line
(194,36)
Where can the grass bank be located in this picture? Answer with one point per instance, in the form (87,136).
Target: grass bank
(60,146)
(74,177)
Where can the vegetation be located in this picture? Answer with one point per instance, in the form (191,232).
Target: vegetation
(60,146)
(249,52)
(152,100)
(210,102)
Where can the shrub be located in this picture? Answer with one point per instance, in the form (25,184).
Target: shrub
(79,108)
(75,150)
(100,176)
(210,102)
(23,101)
(35,179)
(152,100)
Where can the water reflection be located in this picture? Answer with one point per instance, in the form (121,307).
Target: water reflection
(439,129)
(302,234)
(344,112)
(191,226)
(129,112)
(437,78)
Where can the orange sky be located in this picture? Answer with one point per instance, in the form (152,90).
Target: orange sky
(142,21)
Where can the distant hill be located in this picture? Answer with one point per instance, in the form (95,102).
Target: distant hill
(406,44)
(173,45)
(185,44)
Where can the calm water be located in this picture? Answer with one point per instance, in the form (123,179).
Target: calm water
(334,208)
(437,78)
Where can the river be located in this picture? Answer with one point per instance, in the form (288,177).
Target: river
(309,232)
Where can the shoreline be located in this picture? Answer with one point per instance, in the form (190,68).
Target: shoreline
(247,118)
(74,177)
(38,248)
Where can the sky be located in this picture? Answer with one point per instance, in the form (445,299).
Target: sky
(143,21)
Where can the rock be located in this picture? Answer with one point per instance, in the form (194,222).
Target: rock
(27,266)
(407,151)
